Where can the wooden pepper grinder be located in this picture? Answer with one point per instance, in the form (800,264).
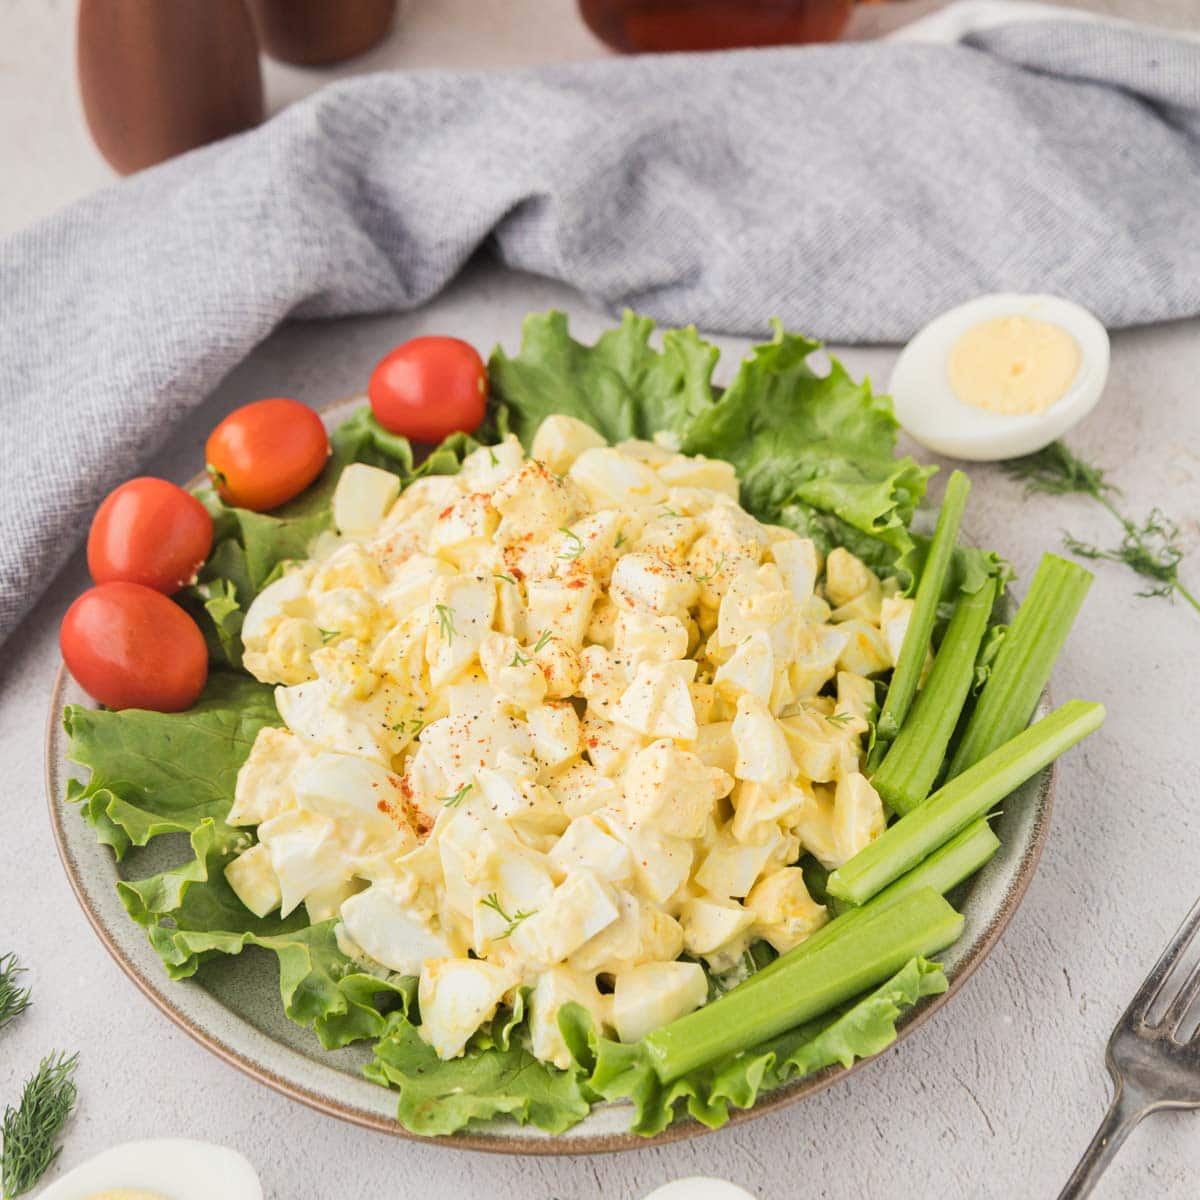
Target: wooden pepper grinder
(159,77)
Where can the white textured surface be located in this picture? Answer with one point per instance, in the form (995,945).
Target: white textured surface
(994,1098)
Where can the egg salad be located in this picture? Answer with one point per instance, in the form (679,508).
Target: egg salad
(563,722)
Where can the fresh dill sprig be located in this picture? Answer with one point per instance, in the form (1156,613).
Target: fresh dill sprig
(1151,549)
(492,457)
(327,635)
(574,547)
(492,901)
(621,540)
(458,797)
(506,578)
(14,1000)
(521,660)
(1057,471)
(445,617)
(30,1131)
(840,720)
(714,572)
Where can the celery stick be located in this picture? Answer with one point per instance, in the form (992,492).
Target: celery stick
(1024,661)
(913,760)
(957,860)
(916,925)
(910,839)
(947,866)
(920,626)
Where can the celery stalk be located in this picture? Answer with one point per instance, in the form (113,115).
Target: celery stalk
(1024,661)
(947,866)
(920,626)
(803,988)
(957,860)
(910,839)
(913,760)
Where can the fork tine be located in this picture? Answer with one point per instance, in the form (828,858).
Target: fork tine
(1182,1001)
(1152,985)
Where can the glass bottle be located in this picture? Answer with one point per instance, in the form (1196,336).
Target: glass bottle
(649,26)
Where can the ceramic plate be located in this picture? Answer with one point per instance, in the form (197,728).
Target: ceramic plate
(232,1005)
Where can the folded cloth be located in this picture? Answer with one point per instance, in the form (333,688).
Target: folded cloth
(852,190)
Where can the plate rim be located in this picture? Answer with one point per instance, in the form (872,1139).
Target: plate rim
(157,990)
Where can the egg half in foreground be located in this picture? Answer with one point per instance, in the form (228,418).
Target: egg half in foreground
(160,1169)
(699,1187)
(1000,376)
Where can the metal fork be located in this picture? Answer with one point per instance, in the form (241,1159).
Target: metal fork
(1150,1067)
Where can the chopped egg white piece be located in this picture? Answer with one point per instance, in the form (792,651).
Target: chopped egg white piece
(253,879)
(554,988)
(783,911)
(553,722)
(654,994)
(560,440)
(362,497)
(391,932)
(456,996)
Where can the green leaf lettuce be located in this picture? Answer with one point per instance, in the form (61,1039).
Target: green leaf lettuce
(864,1028)
(620,386)
(815,452)
(158,773)
(155,773)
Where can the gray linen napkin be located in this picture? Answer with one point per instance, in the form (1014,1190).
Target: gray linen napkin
(852,190)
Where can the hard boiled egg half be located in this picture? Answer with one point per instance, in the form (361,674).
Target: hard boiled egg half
(1000,376)
(160,1169)
(699,1187)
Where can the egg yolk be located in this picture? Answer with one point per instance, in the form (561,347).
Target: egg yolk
(1013,365)
(125,1194)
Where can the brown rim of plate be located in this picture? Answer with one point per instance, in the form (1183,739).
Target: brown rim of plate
(680,1130)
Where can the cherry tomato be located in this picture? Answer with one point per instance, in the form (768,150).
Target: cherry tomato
(429,388)
(128,646)
(265,453)
(151,532)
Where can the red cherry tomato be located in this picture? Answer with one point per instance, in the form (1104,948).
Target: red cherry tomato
(429,388)
(265,453)
(128,646)
(151,532)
